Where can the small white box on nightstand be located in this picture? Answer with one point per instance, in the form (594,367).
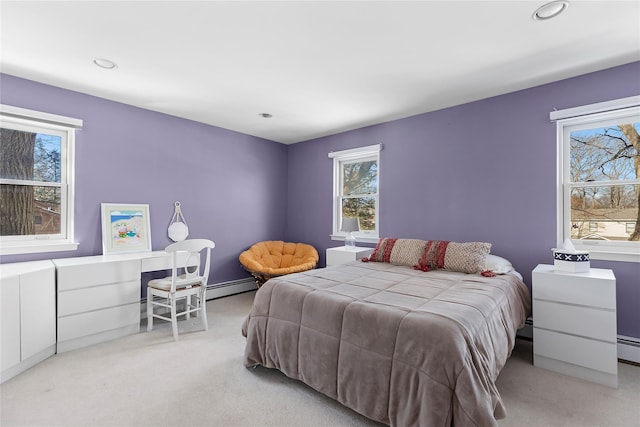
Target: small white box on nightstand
(571,261)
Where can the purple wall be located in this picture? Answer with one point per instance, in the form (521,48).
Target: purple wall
(481,171)
(126,154)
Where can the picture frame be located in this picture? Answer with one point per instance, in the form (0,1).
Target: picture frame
(125,228)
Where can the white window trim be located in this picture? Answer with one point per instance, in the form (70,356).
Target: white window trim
(352,154)
(61,123)
(598,250)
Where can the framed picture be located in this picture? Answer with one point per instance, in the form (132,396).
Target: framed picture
(125,228)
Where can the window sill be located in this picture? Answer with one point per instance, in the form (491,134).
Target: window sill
(606,251)
(372,239)
(613,256)
(15,248)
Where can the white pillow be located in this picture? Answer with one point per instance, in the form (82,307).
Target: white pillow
(497,264)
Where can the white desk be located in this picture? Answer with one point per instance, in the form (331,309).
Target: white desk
(99,296)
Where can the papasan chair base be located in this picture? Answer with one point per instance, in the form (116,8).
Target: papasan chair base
(273,258)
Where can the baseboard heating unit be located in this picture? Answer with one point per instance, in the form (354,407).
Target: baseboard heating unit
(217,290)
(230,288)
(629,349)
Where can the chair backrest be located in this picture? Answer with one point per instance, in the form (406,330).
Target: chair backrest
(187,256)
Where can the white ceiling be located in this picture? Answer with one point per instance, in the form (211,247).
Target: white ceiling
(318,67)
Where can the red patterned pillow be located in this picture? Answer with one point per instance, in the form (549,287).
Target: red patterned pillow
(397,251)
(433,256)
(462,257)
(382,251)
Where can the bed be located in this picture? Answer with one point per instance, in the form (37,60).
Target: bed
(397,344)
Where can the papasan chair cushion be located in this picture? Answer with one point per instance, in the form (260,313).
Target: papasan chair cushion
(272,258)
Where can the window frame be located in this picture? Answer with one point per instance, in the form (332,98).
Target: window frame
(340,158)
(65,127)
(629,226)
(589,116)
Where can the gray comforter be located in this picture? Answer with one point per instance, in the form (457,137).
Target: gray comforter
(398,345)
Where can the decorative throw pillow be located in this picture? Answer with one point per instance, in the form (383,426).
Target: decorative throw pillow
(466,257)
(434,255)
(461,257)
(382,251)
(407,252)
(397,251)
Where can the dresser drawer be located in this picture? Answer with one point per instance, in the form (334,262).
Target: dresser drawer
(592,354)
(98,297)
(97,273)
(93,322)
(574,289)
(584,321)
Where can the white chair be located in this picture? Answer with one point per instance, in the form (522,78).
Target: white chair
(187,281)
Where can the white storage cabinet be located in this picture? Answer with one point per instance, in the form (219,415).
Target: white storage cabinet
(28,316)
(574,323)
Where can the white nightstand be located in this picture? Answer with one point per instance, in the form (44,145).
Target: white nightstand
(342,255)
(574,323)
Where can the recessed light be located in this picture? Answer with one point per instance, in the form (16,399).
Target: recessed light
(265,115)
(550,10)
(105,63)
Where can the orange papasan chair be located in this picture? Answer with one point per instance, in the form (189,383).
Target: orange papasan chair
(268,259)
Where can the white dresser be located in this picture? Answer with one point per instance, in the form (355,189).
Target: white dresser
(28,315)
(342,254)
(99,296)
(98,300)
(574,323)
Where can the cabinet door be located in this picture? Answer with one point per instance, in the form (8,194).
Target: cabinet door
(38,310)
(10,321)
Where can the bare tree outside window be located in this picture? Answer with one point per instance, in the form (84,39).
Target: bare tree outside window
(359,187)
(603,161)
(32,164)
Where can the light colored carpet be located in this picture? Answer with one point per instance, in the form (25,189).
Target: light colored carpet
(147,379)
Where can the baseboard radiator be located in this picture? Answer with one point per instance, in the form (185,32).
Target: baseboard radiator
(217,290)
(628,347)
(232,287)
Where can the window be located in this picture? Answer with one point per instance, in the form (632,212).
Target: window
(599,178)
(630,227)
(36,181)
(355,190)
